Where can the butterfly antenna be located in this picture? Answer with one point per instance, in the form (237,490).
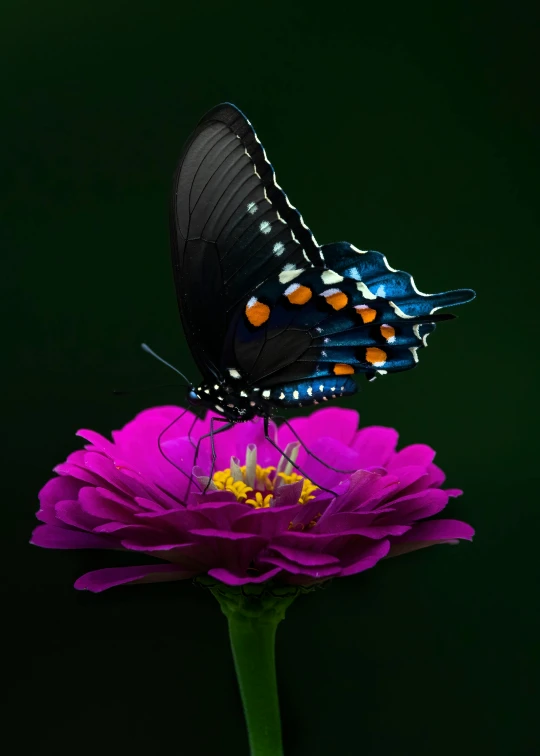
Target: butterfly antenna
(146,348)
(126,392)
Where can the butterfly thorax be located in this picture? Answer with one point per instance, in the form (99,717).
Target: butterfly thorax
(236,404)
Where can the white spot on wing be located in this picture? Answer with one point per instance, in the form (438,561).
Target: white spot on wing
(265,227)
(234,373)
(382,372)
(331,277)
(282,395)
(295,394)
(252,208)
(417,290)
(388,266)
(416,330)
(310,391)
(390,339)
(251,302)
(398,311)
(278,248)
(266,394)
(330,292)
(219,409)
(289,273)
(243,393)
(366,293)
(290,289)
(321,387)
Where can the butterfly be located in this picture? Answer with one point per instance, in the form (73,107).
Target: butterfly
(272,318)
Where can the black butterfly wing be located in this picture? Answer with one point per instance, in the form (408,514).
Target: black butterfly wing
(232,228)
(355,315)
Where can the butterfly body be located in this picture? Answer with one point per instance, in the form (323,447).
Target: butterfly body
(274,319)
(234,403)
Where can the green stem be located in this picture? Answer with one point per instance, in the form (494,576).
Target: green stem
(252,643)
(254,613)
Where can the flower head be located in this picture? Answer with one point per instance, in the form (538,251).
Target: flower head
(259,517)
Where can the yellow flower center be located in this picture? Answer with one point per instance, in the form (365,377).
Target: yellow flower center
(255,485)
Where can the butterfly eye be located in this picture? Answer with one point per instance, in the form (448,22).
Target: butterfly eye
(193,397)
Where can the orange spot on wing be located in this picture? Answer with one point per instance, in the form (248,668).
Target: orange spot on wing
(388,332)
(375,355)
(368,314)
(337,300)
(300,296)
(258,313)
(341,369)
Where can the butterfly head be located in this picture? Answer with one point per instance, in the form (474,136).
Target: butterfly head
(193,397)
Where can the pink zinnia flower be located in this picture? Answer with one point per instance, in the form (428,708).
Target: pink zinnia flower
(259,519)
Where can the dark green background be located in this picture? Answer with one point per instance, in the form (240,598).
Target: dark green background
(411,129)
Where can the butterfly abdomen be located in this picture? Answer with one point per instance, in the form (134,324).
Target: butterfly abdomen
(313,391)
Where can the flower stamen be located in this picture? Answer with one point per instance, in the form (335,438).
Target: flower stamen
(255,485)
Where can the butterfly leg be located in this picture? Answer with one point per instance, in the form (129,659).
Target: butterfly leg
(168,427)
(213,448)
(292,462)
(308,452)
(192,426)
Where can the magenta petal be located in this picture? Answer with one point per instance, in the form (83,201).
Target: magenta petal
(230,578)
(436,476)
(100,580)
(438,530)
(266,522)
(412,479)
(367,559)
(315,572)
(336,422)
(417,506)
(362,486)
(416,454)
(429,533)
(105,505)
(70,513)
(139,537)
(353,523)
(222,516)
(305,558)
(50,537)
(288,494)
(77,472)
(375,445)
(229,535)
(99,443)
(59,489)
(334,454)
(180,520)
